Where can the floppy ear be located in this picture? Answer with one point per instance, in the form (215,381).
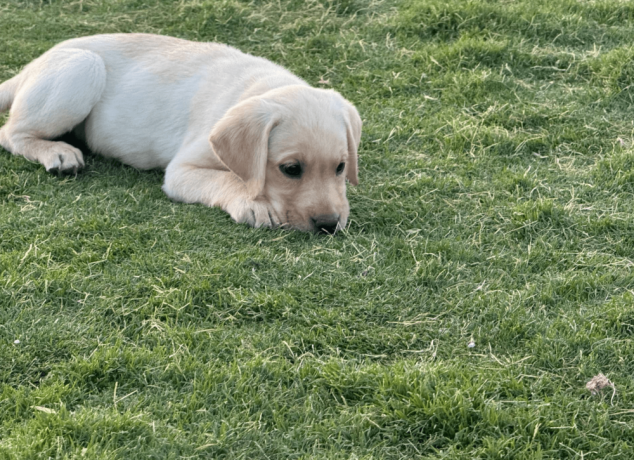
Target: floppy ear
(240,140)
(353,129)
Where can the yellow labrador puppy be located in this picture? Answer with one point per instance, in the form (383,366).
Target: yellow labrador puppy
(230,129)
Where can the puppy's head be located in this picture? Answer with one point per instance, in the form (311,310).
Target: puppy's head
(294,147)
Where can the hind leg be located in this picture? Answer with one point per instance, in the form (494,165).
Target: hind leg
(55,93)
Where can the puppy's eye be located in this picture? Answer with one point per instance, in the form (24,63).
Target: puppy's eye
(293,170)
(340,168)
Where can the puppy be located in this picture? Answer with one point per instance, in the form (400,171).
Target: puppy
(230,129)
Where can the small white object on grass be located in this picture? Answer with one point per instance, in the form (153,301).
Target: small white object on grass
(471,344)
(598,383)
(46,410)
(16,341)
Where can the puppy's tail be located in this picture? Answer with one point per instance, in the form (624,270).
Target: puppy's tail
(7,93)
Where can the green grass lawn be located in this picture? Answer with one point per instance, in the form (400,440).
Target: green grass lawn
(496,204)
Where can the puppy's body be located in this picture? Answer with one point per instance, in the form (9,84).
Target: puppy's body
(156,85)
(225,125)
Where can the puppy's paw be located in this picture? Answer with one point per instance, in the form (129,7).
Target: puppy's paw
(62,158)
(255,213)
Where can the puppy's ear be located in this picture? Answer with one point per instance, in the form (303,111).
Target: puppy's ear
(353,128)
(240,140)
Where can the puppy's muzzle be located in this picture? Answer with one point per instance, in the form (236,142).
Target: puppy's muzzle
(325,223)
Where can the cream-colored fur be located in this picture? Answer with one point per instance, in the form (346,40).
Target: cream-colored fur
(224,125)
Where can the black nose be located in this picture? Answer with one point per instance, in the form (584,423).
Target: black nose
(326,223)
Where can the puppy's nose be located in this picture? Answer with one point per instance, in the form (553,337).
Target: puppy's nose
(326,223)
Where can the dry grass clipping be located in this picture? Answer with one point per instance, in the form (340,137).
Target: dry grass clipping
(598,383)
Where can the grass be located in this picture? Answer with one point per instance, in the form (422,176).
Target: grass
(496,205)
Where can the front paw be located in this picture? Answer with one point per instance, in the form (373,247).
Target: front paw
(255,213)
